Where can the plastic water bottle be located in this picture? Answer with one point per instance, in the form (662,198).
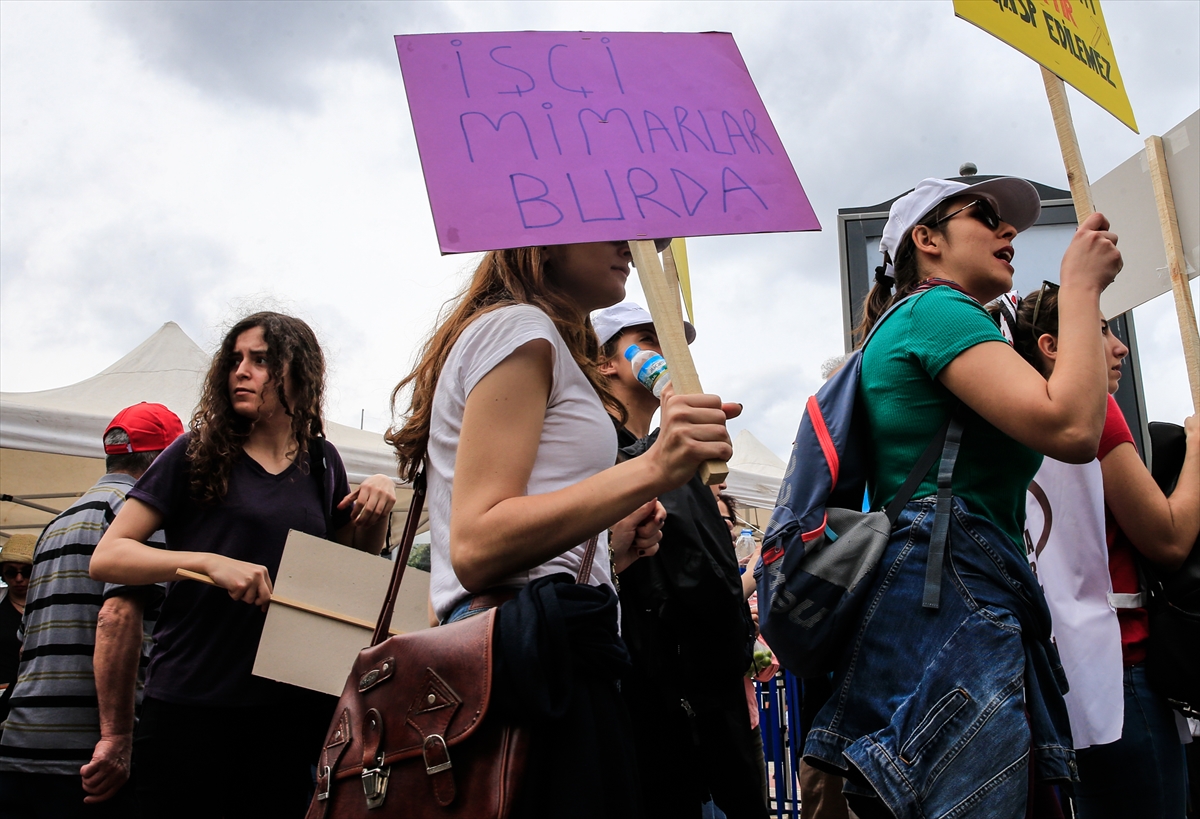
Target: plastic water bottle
(744,546)
(650,369)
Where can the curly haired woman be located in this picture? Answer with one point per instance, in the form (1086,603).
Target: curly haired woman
(213,740)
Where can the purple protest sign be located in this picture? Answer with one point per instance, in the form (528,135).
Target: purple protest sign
(536,138)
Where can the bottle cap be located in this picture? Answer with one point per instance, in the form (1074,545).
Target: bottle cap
(748,532)
(631,351)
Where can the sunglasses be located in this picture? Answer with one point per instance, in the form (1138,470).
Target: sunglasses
(1037,306)
(13,572)
(984,212)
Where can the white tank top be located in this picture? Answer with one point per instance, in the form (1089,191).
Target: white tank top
(578,439)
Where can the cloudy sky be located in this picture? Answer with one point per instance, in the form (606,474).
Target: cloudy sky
(189,162)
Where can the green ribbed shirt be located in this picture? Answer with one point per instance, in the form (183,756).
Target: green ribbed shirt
(906,405)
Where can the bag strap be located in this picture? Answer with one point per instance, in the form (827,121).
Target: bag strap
(941,522)
(589,554)
(946,441)
(384,624)
(887,313)
(923,465)
(925,462)
(1039,495)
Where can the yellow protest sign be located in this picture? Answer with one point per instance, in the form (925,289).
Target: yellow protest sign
(1068,37)
(679,251)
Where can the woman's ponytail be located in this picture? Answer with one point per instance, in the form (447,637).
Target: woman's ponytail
(877,302)
(903,276)
(892,282)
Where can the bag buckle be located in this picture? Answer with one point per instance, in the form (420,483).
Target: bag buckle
(375,781)
(326,774)
(432,767)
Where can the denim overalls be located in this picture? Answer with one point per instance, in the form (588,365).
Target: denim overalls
(937,711)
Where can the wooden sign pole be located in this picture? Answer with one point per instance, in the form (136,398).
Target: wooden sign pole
(1081,194)
(1173,243)
(662,298)
(1081,190)
(184,574)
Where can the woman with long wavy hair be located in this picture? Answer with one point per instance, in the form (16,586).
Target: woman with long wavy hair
(507,412)
(947,701)
(214,740)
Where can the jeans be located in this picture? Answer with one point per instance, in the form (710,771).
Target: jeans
(935,712)
(1144,772)
(479,603)
(462,611)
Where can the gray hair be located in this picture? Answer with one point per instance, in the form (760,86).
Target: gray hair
(832,365)
(130,463)
(116,437)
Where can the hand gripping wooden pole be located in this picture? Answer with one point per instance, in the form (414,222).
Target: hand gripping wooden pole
(662,298)
(1081,189)
(1169,221)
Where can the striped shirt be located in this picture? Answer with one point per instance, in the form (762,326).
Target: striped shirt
(54,723)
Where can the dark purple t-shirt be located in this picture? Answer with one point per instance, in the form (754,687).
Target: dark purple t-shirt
(205,641)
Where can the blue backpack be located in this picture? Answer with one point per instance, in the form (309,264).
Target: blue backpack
(820,550)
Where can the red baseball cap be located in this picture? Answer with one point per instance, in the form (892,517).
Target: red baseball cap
(150,427)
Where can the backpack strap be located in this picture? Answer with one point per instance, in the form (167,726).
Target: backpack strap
(1127,601)
(946,441)
(318,467)
(888,312)
(941,522)
(924,464)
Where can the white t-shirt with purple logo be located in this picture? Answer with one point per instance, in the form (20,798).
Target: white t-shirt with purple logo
(578,439)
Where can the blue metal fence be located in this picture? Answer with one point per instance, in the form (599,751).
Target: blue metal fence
(779,703)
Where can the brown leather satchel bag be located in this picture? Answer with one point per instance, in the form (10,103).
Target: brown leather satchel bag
(412,735)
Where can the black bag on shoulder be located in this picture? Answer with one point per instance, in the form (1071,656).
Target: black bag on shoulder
(1173,597)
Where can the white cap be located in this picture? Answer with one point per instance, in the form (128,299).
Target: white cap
(610,321)
(1017,202)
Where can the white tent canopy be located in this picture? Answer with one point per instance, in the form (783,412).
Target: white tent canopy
(755,472)
(166,368)
(64,424)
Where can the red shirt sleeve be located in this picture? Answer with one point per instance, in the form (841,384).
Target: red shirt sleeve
(1116,430)
(1122,564)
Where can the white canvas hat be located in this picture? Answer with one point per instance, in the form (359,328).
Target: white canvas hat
(1017,202)
(612,320)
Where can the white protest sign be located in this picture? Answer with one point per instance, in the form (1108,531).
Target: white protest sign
(316,651)
(1126,196)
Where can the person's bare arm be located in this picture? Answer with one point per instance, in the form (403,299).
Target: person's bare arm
(122,556)
(1161,528)
(1061,420)
(1062,416)
(370,505)
(637,535)
(496,529)
(749,584)
(115,662)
